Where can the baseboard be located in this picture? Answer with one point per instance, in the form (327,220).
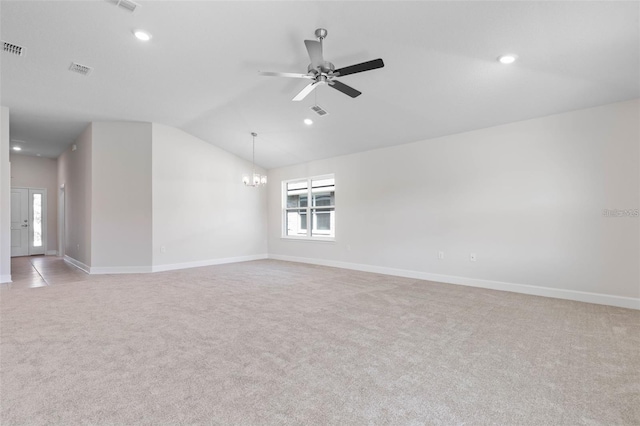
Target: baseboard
(100,270)
(51,253)
(208,262)
(77,263)
(580,296)
(5,279)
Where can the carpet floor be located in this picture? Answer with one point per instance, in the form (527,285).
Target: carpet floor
(279,343)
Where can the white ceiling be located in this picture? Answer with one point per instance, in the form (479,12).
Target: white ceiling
(200,70)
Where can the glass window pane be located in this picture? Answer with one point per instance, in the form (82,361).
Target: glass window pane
(323,191)
(37,220)
(297,200)
(322,183)
(301,184)
(297,194)
(296,223)
(321,199)
(323,222)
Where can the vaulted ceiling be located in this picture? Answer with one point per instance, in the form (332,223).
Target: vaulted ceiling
(199,72)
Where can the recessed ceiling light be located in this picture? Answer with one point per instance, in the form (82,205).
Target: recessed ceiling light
(308,121)
(17,148)
(142,35)
(507,59)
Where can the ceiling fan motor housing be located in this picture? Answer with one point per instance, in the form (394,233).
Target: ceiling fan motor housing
(326,68)
(321,33)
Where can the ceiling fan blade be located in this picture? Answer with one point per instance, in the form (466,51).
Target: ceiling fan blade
(285,74)
(365,66)
(347,90)
(315,53)
(304,92)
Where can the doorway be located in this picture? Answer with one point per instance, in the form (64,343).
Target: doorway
(28,221)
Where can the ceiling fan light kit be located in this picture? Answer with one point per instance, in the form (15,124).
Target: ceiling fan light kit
(324,72)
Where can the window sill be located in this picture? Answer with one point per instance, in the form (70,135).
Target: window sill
(309,240)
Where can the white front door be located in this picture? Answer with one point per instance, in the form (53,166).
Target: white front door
(28,221)
(19,222)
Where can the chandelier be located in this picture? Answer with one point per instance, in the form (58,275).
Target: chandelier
(255,179)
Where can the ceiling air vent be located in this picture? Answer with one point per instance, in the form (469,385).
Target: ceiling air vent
(318,110)
(80,69)
(125,4)
(14,49)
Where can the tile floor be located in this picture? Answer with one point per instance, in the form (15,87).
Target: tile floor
(41,271)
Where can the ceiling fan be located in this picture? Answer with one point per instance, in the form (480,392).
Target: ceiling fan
(324,72)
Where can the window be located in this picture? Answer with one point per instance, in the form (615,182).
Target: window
(37,220)
(309,208)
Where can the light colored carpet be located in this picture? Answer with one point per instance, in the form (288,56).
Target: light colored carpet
(271,342)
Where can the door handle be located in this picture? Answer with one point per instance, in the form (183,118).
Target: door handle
(24,226)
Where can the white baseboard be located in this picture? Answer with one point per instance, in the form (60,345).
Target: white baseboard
(5,279)
(100,270)
(580,296)
(51,253)
(77,263)
(208,262)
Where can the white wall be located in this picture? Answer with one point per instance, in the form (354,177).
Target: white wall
(121,197)
(39,172)
(74,172)
(5,198)
(202,213)
(526,197)
(133,188)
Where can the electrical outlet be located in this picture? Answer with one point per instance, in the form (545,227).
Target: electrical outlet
(163,249)
(440,255)
(472,257)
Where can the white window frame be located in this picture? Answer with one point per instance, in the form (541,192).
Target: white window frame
(309,208)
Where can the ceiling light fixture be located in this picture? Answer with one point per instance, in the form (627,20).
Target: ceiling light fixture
(308,121)
(17,148)
(255,179)
(142,35)
(507,59)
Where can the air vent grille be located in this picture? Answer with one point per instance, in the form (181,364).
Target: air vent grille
(125,4)
(80,69)
(319,110)
(14,49)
